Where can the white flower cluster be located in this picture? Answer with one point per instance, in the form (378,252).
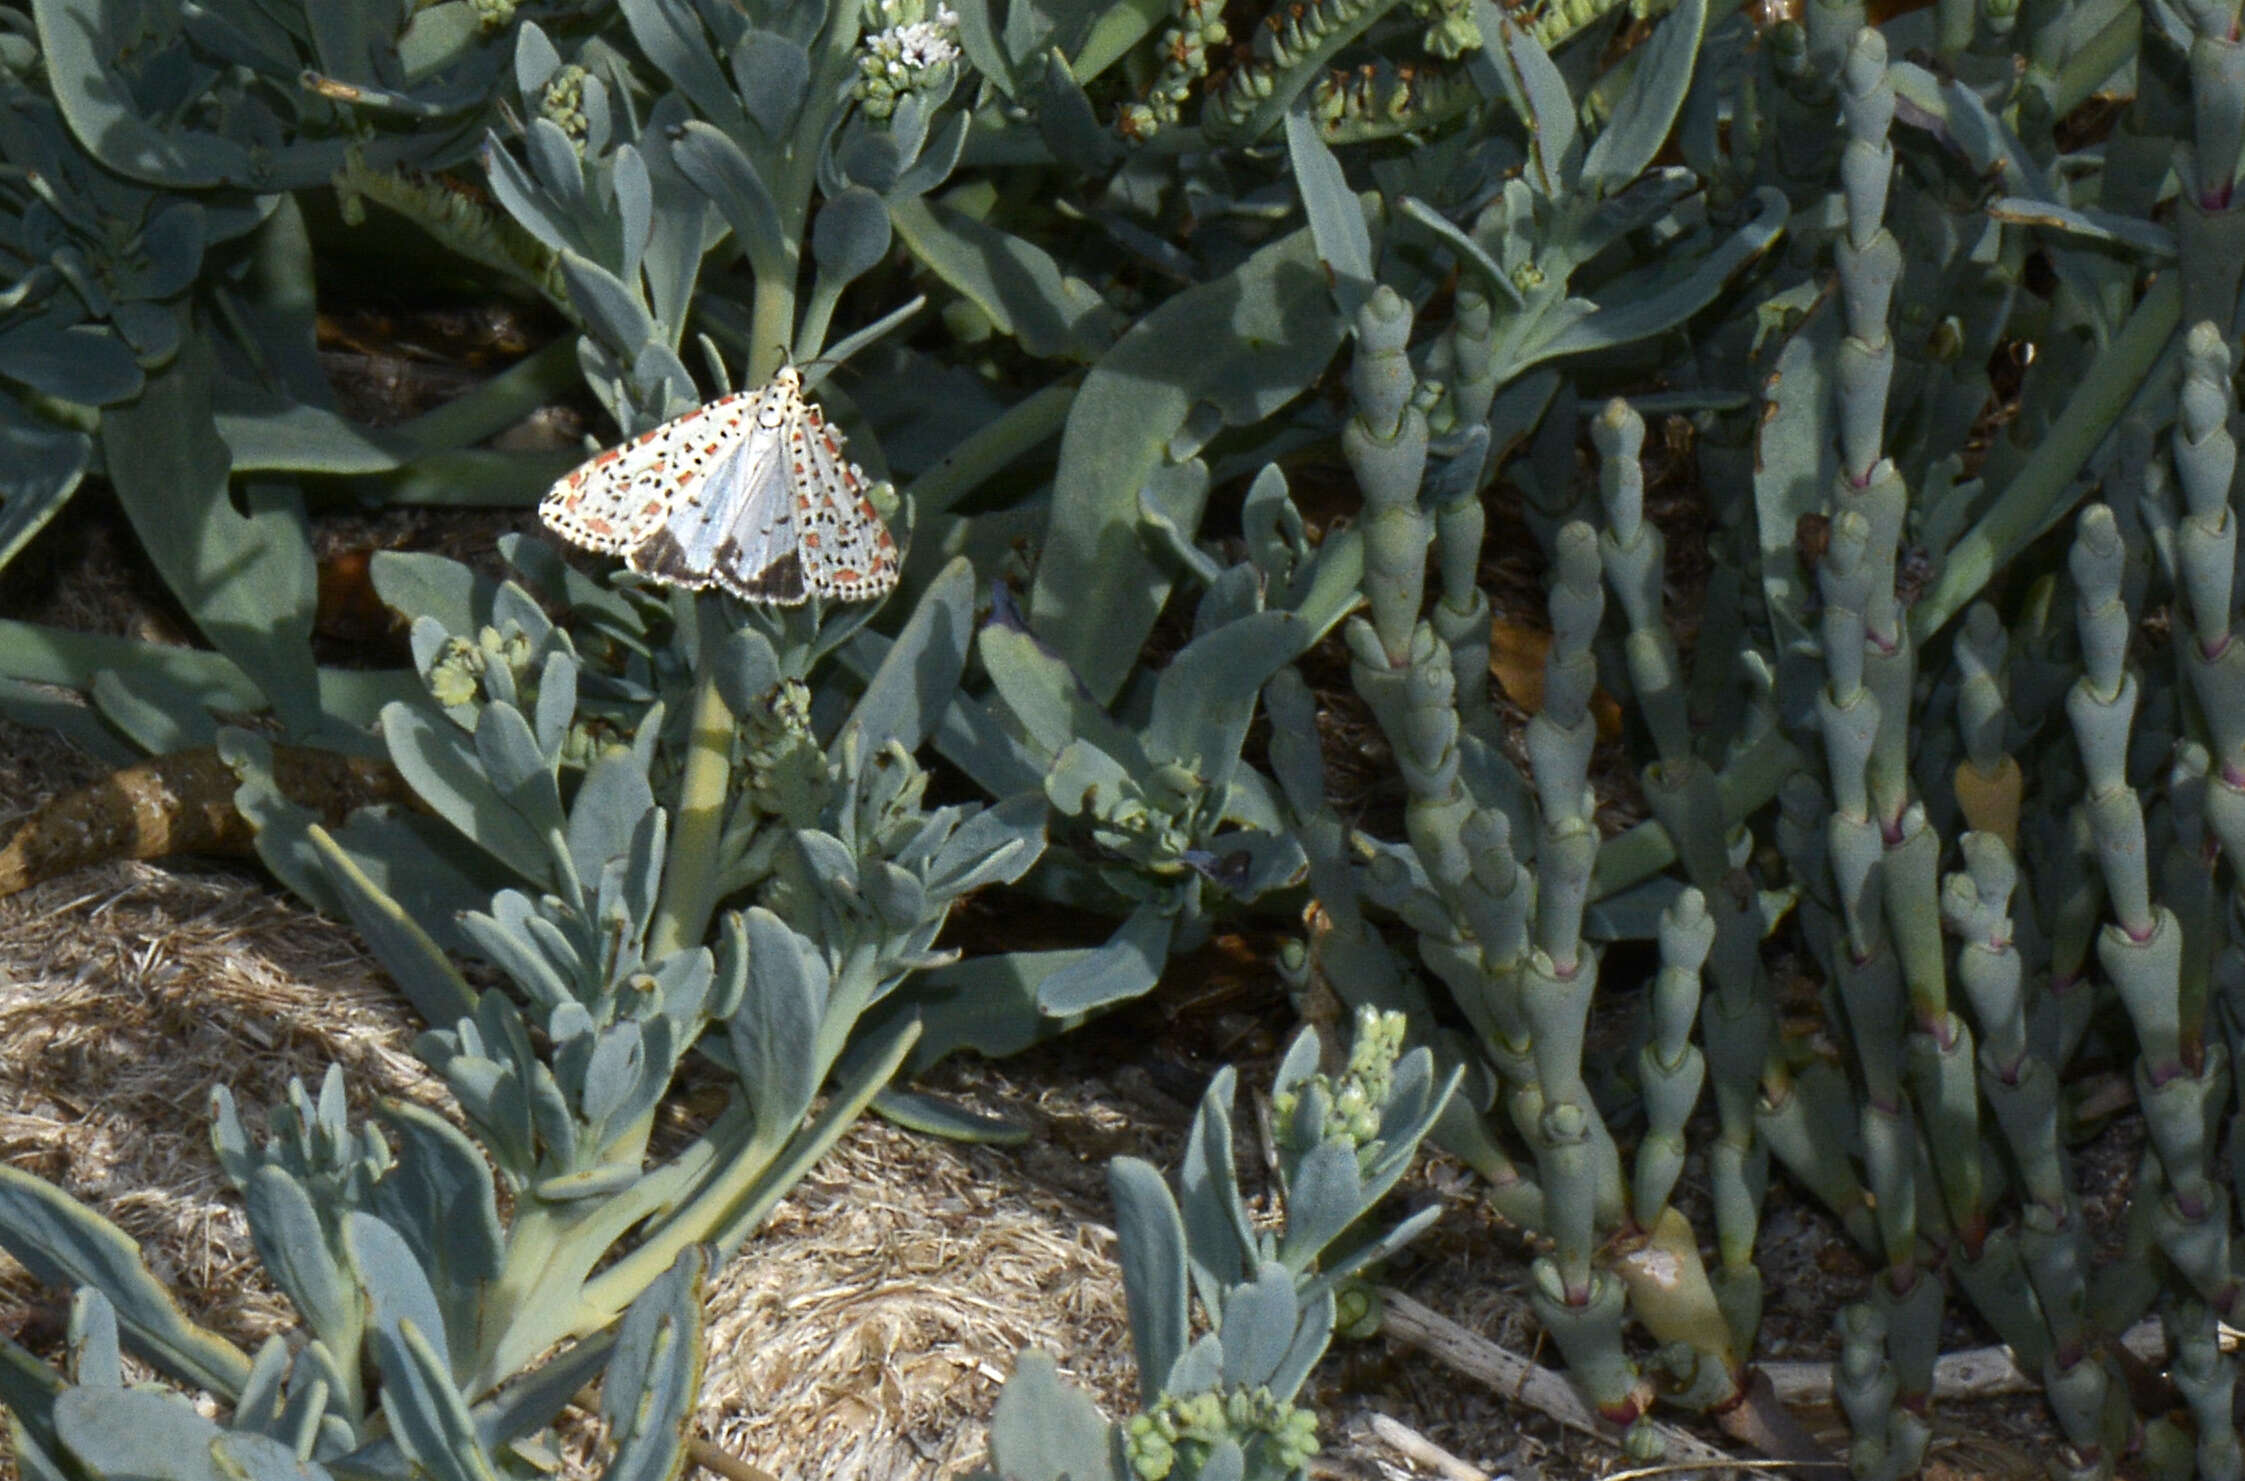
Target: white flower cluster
(906,54)
(917,45)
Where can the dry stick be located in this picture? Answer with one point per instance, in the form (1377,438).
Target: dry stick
(1517,1378)
(1418,1449)
(699,1452)
(1975,1373)
(725,1463)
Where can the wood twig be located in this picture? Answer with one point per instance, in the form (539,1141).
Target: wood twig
(1515,1377)
(1974,1373)
(709,1457)
(1421,1451)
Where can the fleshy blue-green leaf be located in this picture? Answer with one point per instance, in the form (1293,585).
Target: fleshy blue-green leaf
(850,235)
(246,579)
(655,1375)
(439,764)
(1642,307)
(415,961)
(440,1197)
(397,1288)
(427,1413)
(1336,220)
(1325,1197)
(1044,1430)
(1646,114)
(286,1228)
(40,466)
(1539,95)
(144,1434)
(1025,292)
(935,1115)
(672,37)
(1205,698)
(1126,967)
(777,1023)
(1150,1237)
(1217,1231)
(920,672)
(1247,342)
(82,363)
(985,1003)
(720,170)
(1259,1323)
(64,1243)
(771,73)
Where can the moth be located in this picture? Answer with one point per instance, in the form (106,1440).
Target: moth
(752,493)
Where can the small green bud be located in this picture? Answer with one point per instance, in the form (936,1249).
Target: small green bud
(1175,788)
(1356,1313)
(454,678)
(1201,1415)
(1946,342)
(562,101)
(1150,1454)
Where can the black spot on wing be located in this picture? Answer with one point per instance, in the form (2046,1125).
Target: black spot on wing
(662,557)
(780,582)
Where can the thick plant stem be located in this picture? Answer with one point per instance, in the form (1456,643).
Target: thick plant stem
(689,896)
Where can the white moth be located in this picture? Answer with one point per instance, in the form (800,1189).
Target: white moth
(751,493)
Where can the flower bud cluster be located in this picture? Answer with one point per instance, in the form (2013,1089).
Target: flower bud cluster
(1289,36)
(1355,1098)
(783,768)
(1184,61)
(456,677)
(1451,31)
(1187,1429)
(1379,99)
(561,101)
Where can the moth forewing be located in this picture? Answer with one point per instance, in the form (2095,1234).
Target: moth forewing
(613,500)
(848,553)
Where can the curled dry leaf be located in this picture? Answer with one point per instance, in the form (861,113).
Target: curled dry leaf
(1517,654)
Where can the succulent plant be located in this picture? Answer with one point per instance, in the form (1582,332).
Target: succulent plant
(1224,1403)
(397,1263)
